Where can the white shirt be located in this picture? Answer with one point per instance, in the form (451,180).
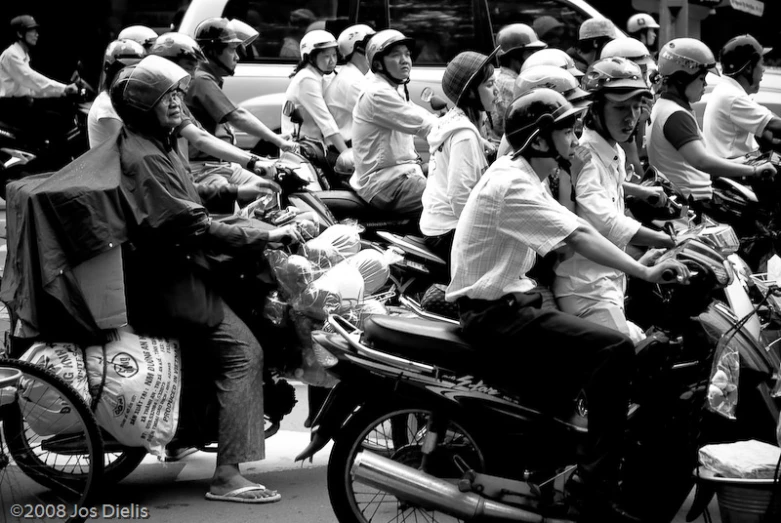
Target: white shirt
(508,218)
(385,124)
(306,92)
(17,78)
(599,201)
(732,119)
(456,164)
(341,95)
(101,110)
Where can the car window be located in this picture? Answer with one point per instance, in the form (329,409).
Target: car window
(282,24)
(441,29)
(556,22)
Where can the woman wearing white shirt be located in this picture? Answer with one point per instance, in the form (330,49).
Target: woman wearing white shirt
(456,146)
(305,92)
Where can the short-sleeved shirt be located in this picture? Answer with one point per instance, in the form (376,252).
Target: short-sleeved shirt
(306,93)
(210,107)
(732,119)
(508,219)
(341,95)
(101,109)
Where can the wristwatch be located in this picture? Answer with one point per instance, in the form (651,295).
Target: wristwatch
(251,163)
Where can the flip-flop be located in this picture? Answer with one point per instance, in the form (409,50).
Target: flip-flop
(234,496)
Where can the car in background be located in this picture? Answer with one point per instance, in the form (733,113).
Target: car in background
(441,30)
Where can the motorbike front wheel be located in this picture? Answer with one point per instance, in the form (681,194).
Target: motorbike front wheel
(396,432)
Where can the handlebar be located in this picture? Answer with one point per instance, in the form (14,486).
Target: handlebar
(668,275)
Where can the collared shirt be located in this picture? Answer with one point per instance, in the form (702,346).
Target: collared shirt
(306,93)
(732,119)
(509,218)
(504,83)
(210,106)
(599,200)
(17,78)
(341,95)
(101,110)
(385,124)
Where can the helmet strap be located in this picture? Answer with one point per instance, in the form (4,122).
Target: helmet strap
(213,56)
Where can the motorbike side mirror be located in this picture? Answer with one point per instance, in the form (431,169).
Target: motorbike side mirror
(436,103)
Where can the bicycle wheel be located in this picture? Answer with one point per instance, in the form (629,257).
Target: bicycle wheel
(49,437)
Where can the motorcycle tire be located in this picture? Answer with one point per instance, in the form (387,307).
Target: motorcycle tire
(121,462)
(394,431)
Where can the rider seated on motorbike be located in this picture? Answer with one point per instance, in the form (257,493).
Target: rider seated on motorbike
(171,291)
(675,143)
(732,118)
(508,219)
(219,39)
(341,94)
(304,95)
(583,287)
(517,42)
(385,122)
(593,34)
(25,94)
(456,146)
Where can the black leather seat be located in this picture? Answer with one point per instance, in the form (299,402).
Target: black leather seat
(414,245)
(347,204)
(421,340)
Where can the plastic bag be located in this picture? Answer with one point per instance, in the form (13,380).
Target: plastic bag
(373,267)
(310,371)
(321,254)
(42,407)
(339,289)
(346,239)
(743,459)
(138,396)
(725,373)
(275,309)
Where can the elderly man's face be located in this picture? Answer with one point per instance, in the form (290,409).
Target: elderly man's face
(168,110)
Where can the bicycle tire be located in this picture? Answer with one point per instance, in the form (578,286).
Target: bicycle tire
(73,476)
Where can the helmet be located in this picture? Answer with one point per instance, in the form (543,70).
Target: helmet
(302,17)
(381,42)
(536,112)
(123,52)
(596,28)
(631,49)
(23,23)
(138,88)
(551,77)
(177,45)
(460,73)
(216,31)
(641,21)
(555,57)
(740,52)
(517,36)
(617,78)
(544,24)
(352,37)
(244,32)
(315,40)
(138,33)
(688,55)
(345,163)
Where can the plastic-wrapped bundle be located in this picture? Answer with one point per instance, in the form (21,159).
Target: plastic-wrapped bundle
(743,459)
(339,289)
(321,254)
(723,388)
(275,309)
(346,239)
(310,371)
(373,267)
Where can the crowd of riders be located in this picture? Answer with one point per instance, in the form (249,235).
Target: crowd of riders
(569,128)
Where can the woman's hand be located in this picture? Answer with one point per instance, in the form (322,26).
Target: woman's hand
(287,234)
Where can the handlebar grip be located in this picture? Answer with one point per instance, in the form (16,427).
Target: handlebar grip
(654,199)
(668,275)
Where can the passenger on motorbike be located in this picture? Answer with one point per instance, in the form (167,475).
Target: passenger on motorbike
(387,167)
(582,287)
(643,27)
(593,35)
(219,39)
(508,219)
(170,289)
(102,120)
(304,95)
(341,94)
(140,34)
(675,143)
(456,146)
(732,118)
(517,42)
(25,94)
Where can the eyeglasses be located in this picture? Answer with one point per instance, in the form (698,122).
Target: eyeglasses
(176,94)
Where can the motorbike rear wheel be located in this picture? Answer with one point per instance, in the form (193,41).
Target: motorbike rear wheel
(395,432)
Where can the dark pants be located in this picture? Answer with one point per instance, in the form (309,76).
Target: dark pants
(551,358)
(441,245)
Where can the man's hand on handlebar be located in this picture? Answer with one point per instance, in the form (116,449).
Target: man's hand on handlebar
(286,235)
(249,192)
(668,271)
(289,146)
(765,171)
(71,89)
(265,169)
(654,196)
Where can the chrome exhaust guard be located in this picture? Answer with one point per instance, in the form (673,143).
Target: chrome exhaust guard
(430,492)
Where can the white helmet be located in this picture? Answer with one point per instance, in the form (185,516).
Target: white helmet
(551,77)
(139,33)
(555,57)
(631,49)
(314,40)
(351,36)
(641,21)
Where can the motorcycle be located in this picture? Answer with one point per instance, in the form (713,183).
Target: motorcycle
(440,436)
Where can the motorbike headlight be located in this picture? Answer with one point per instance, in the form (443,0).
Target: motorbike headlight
(723,239)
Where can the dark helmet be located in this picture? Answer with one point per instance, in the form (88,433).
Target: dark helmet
(138,88)
(537,112)
(515,37)
(461,72)
(617,78)
(741,51)
(174,46)
(216,32)
(23,23)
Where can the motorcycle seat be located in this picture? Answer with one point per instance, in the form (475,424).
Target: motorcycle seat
(347,204)
(412,245)
(421,340)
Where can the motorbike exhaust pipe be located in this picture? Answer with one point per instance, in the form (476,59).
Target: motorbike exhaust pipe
(430,492)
